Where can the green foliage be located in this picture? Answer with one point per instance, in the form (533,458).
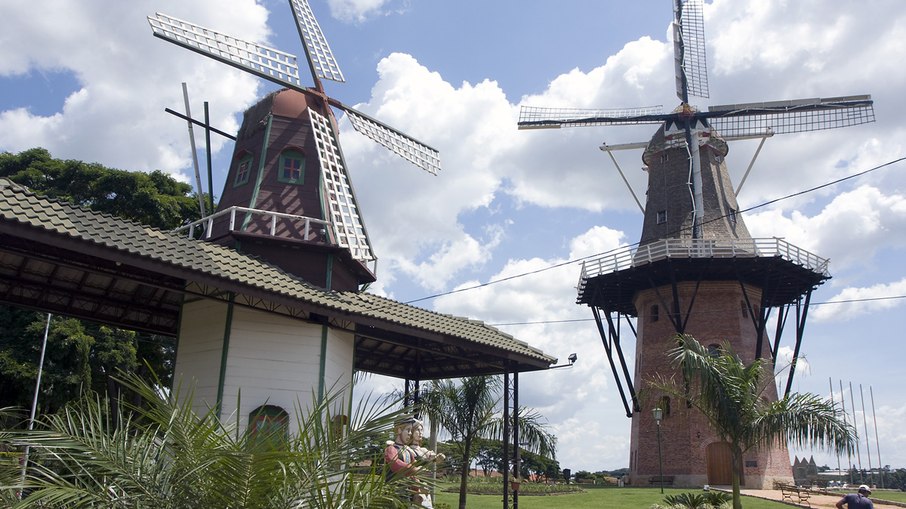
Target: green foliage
(163,455)
(82,356)
(469,412)
(739,403)
(154,199)
(687,501)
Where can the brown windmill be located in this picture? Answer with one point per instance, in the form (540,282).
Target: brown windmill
(696,269)
(287,197)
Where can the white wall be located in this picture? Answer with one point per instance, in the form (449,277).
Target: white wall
(273,359)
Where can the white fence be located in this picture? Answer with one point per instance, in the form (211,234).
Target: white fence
(624,258)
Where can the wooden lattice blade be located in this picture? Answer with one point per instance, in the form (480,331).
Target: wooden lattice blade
(407,147)
(343,207)
(533,117)
(784,117)
(269,63)
(320,58)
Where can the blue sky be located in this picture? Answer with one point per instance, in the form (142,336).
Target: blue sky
(87,81)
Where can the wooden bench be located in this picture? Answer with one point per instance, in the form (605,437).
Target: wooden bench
(656,480)
(789,492)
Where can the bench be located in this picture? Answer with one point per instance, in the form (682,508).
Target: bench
(789,492)
(656,480)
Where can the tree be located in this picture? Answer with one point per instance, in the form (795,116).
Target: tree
(469,411)
(82,355)
(162,454)
(733,396)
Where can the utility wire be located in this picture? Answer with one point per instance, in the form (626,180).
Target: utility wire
(577,260)
(847,301)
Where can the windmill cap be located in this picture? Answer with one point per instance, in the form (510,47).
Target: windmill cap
(864,488)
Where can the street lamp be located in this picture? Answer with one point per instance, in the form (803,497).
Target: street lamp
(658,415)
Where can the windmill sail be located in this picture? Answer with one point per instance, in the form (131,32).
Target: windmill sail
(268,63)
(689,50)
(534,117)
(796,116)
(342,206)
(320,58)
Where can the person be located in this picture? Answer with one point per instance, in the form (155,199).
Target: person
(857,500)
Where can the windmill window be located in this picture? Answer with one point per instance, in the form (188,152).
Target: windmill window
(731,215)
(269,424)
(745,309)
(664,405)
(292,167)
(243,170)
(661,216)
(714,350)
(655,313)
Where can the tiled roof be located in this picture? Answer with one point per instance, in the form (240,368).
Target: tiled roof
(22,208)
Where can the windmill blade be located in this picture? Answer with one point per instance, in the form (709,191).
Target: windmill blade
(342,205)
(783,117)
(317,51)
(534,117)
(407,147)
(689,49)
(269,63)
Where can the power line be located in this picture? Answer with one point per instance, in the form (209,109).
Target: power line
(577,260)
(846,301)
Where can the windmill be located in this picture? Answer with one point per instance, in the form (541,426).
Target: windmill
(696,269)
(275,205)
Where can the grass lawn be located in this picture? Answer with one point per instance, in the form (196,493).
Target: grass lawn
(892,495)
(602,498)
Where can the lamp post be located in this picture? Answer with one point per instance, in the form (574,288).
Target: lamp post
(658,414)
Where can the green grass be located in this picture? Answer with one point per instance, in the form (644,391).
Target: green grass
(892,495)
(607,498)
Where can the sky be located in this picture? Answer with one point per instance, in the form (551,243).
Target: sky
(87,81)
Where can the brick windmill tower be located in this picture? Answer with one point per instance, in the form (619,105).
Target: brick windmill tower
(696,268)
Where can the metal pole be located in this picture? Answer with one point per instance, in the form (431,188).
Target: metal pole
(852,399)
(831,383)
(865,425)
(201,200)
(34,401)
(660,459)
(877,440)
(849,454)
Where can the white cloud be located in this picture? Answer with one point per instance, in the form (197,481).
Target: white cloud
(356,10)
(853,303)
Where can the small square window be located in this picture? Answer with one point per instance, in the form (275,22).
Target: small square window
(292,167)
(243,170)
(661,216)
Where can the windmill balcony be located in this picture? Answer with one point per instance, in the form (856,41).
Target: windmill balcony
(631,257)
(206,224)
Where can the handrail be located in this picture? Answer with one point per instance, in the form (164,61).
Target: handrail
(627,257)
(208,222)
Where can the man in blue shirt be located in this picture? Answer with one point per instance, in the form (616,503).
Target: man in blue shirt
(858,500)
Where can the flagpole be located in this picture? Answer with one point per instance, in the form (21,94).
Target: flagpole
(34,401)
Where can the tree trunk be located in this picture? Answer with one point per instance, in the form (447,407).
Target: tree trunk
(464,478)
(736,454)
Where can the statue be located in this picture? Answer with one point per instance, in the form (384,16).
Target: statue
(406,456)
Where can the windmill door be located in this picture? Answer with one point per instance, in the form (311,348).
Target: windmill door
(720,464)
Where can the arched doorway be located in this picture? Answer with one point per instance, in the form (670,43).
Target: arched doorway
(720,464)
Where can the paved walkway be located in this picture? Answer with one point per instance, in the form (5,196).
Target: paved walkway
(815,500)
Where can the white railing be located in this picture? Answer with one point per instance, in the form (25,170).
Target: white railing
(208,222)
(624,258)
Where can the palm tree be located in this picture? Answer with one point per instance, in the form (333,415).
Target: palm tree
(732,396)
(469,411)
(163,455)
